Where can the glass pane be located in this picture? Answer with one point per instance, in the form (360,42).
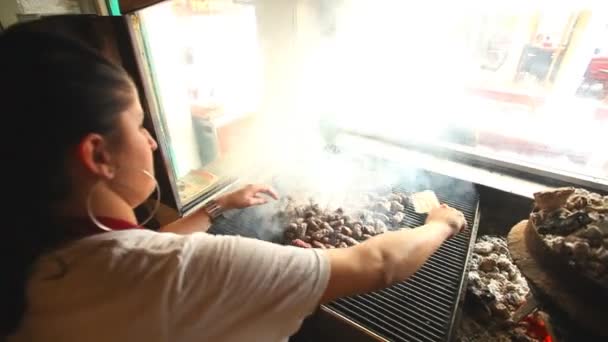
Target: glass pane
(206,66)
(524,82)
(240,81)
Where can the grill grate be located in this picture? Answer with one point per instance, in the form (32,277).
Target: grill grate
(424,307)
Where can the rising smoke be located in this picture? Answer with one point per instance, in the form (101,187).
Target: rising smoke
(303,170)
(348,79)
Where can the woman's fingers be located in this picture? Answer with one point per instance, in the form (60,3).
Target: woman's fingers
(257,189)
(257,201)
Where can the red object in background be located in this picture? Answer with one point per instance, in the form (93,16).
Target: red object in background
(597,69)
(300,243)
(601,111)
(508,97)
(597,64)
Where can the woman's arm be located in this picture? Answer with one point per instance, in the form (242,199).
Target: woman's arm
(199,221)
(248,280)
(389,258)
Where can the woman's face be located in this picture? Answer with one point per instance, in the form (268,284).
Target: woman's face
(132,154)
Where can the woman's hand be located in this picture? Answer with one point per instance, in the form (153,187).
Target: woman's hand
(250,195)
(449,216)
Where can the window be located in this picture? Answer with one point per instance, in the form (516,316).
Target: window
(511,83)
(207,72)
(524,83)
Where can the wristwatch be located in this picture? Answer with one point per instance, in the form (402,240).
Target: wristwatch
(213,209)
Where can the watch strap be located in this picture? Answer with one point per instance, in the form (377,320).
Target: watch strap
(213,209)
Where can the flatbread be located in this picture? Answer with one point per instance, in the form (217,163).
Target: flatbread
(424,201)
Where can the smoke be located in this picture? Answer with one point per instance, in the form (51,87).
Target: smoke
(392,69)
(345,80)
(302,170)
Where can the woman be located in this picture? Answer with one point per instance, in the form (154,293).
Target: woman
(84,166)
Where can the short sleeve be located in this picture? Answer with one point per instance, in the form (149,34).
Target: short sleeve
(248,284)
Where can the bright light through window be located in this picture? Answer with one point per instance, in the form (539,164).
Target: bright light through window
(207,73)
(523,82)
(526,82)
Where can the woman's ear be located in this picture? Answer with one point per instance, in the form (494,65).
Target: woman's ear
(94,154)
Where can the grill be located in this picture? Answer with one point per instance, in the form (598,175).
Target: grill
(423,308)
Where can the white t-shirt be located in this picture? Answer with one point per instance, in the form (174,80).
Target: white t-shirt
(140,285)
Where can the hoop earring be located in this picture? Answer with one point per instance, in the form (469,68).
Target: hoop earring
(106,228)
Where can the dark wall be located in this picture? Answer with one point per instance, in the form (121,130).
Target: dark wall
(500,211)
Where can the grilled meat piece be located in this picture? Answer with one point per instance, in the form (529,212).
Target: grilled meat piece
(346,231)
(289,235)
(301,230)
(317,244)
(381,217)
(369,230)
(320,234)
(380,227)
(300,243)
(396,207)
(349,240)
(564,226)
(347,220)
(312,225)
(357,233)
(383,207)
(397,218)
(318,226)
(336,223)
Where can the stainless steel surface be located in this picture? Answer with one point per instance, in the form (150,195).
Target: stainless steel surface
(461,154)
(373,336)
(425,307)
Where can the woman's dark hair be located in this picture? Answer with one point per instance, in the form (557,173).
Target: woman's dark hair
(53,92)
